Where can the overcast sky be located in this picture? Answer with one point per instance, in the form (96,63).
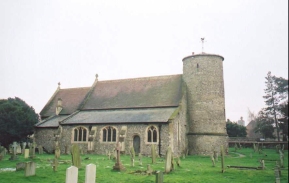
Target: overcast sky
(46,42)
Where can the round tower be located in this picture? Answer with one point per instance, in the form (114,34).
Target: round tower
(203,77)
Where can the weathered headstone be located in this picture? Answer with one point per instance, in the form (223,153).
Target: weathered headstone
(153,152)
(213,161)
(149,170)
(118,165)
(18,149)
(30,168)
(222,159)
(2,150)
(20,166)
(40,149)
(71,175)
(23,147)
(132,156)
(26,153)
(14,151)
(140,158)
(159,177)
(168,161)
(55,164)
(90,173)
(75,154)
(216,156)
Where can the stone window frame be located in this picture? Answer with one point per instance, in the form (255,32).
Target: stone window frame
(102,133)
(147,134)
(73,134)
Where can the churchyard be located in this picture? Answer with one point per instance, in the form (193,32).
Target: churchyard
(242,165)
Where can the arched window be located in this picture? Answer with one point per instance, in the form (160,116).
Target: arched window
(80,134)
(109,134)
(152,134)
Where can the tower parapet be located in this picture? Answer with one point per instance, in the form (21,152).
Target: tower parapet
(203,76)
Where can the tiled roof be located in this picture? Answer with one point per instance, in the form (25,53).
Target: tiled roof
(156,91)
(52,121)
(148,115)
(71,99)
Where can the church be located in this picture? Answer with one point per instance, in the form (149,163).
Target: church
(185,112)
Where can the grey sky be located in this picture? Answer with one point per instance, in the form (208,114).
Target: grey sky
(46,42)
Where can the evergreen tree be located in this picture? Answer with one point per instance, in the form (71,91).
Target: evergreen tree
(235,130)
(17,120)
(275,92)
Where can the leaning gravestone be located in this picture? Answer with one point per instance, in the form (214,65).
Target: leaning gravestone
(168,161)
(30,169)
(76,161)
(90,173)
(71,175)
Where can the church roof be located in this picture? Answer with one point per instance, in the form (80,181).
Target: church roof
(52,121)
(71,99)
(159,91)
(147,115)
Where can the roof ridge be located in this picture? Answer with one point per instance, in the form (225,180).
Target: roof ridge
(85,87)
(140,78)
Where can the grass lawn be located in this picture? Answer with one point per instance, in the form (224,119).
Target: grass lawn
(192,169)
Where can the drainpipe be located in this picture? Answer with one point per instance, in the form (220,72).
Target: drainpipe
(160,127)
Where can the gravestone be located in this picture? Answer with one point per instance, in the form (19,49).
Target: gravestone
(132,156)
(18,149)
(23,147)
(30,169)
(40,149)
(153,152)
(213,160)
(149,170)
(118,165)
(75,154)
(90,173)
(278,147)
(277,176)
(71,175)
(26,153)
(262,164)
(14,151)
(159,177)
(66,149)
(20,166)
(108,155)
(281,159)
(168,161)
(2,150)
(216,156)
(140,158)
(222,159)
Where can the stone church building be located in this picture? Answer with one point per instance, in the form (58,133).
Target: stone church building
(184,111)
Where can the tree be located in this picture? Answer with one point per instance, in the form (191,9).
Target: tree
(235,130)
(17,120)
(275,92)
(283,121)
(264,125)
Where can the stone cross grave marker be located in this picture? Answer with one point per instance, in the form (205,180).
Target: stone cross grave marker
(75,154)
(118,165)
(30,168)
(168,161)
(71,175)
(159,177)
(90,173)
(14,151)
